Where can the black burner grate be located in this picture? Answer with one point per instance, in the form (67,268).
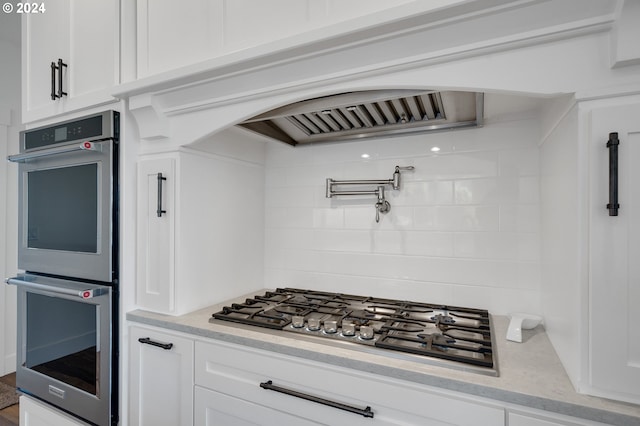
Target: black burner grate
(451,333)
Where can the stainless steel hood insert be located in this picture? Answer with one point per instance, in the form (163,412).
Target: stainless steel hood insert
(375,113)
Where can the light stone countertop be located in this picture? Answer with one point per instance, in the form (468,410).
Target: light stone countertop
(530,373)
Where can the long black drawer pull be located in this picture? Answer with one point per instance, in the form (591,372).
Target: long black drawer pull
(159,211)
(148,341)
(612,144)
(366,412)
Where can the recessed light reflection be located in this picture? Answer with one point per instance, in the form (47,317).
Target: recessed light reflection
(435,149)
(365,156)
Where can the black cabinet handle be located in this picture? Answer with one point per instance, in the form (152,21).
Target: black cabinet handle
(148,341)
(53,81)
(366,412)
(60,93)
(61,64)
(613,144)
(159,211)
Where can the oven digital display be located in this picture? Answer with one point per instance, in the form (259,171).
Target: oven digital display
(60,134)
(70,131)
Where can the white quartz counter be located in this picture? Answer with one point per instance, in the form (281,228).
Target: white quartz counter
(530,373)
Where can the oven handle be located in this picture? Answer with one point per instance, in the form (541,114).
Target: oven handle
(88,293)
(366,412)
(84,146)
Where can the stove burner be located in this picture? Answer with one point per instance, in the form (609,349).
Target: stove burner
(462,335)
(443,319)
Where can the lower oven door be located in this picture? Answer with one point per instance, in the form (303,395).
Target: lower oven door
(64,344)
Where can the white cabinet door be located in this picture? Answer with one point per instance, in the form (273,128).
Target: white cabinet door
(156,234)
(161,378)
(36,413)
(45,39)
(615,256)
(85,36)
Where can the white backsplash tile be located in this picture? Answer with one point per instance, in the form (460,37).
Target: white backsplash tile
(463,229)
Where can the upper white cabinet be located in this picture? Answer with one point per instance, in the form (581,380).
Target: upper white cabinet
(156,235)
(70,56)
(173,34)
(614,252)
(199,230)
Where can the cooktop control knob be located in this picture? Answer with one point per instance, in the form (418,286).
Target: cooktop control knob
(366,332)
(331,327)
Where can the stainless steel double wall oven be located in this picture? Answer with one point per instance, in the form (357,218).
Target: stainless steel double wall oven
(68,247)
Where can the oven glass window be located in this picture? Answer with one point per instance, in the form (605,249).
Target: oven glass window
(61,340)
(63,208)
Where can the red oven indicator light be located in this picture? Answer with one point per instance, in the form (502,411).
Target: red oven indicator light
(87,294)
(87,145)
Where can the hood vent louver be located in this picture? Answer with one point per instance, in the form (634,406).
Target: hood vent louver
(377,113)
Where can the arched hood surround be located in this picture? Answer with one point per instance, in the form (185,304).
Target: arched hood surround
(478,55)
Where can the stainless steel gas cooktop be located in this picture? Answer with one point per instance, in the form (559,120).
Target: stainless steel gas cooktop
(452,336)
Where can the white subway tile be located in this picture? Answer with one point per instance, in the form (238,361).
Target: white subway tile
(466,218)
(519,162)
(423,193)
(520,218)
(463,229)
(328,218)
(529,190)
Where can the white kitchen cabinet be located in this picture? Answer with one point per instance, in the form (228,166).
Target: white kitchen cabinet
(206,29)
(36,413)
(208,236)
(156,234)
(161,378)
(229,377)
(215,408)
(614,252)
(85,36)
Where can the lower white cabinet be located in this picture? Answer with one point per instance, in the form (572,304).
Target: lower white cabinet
(36,413)
(161,378)
(231,381)
(216,409)
(176,379)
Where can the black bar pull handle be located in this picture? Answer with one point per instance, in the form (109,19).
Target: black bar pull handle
(366,412)
(53,81)
(159,211)
(613,144)
(148,341)
(61,64)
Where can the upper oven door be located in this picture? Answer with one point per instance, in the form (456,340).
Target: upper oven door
(66,210)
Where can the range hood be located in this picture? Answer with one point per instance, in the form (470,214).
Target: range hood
(373,113)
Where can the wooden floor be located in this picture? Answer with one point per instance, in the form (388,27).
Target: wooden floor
(10,416)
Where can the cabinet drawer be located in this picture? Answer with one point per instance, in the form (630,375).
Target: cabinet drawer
(238,371)
(36,413)
(214,408)
(539,418)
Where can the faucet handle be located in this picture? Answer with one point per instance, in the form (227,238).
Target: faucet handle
(395,182)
